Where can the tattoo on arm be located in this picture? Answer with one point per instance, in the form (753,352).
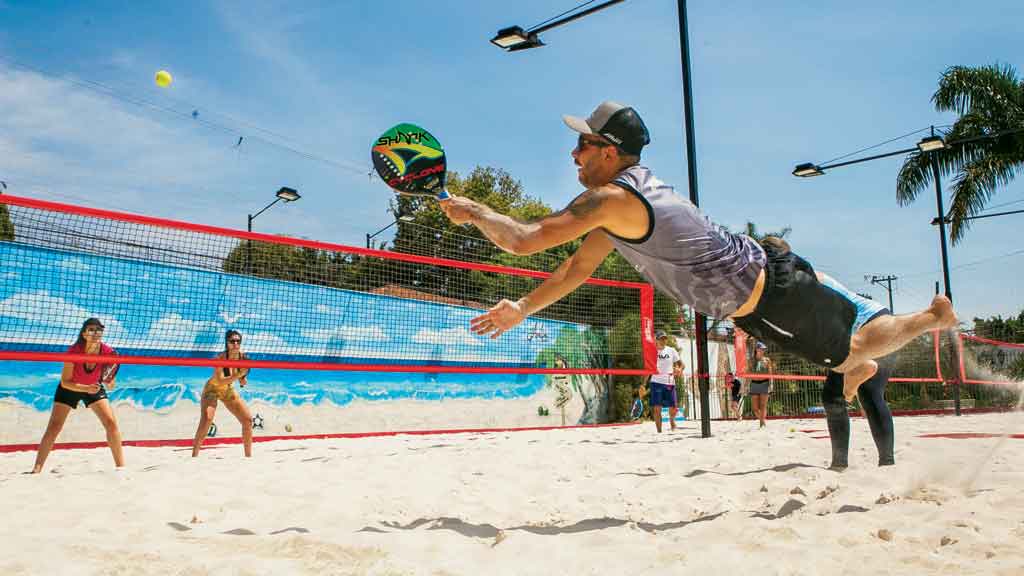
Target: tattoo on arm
(583,205)
(586,203)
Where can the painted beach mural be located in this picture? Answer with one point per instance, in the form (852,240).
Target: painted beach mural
(161,310)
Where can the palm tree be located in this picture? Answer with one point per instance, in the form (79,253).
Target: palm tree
(990,102)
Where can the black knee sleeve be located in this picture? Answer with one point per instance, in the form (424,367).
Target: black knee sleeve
(837,417)
(872,399)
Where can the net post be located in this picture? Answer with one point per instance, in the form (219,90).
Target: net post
(958,358)
(650,349)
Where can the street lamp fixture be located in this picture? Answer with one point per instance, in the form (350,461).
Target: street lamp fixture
(515,38)
(807,170)
(288,194)
(931,143)
(284,193)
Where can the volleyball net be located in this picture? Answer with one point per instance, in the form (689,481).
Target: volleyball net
(167,292)
(927,374)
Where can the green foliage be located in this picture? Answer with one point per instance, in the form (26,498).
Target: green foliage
(996,328)
(6,226)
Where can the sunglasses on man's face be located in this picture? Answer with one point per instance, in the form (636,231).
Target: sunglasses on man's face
(582,142)
(235,341)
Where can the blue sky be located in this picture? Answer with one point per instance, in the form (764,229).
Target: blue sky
(83,122)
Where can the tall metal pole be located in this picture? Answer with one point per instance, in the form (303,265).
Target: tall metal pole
(942,229)
(945,277)
(700,322)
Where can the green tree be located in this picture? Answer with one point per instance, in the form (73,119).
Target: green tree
(997,328)
(6,226)
(989,101)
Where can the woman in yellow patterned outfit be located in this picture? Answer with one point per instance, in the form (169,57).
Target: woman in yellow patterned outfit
(219,388)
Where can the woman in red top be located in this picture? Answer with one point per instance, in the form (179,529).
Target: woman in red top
(85,382)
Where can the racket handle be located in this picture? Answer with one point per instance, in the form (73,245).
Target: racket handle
(443,195)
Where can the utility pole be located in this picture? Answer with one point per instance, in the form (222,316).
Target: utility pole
(887,282)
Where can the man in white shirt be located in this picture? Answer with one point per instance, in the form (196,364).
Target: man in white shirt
(663,384)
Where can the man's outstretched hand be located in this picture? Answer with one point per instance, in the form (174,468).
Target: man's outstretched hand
(458,209)
(504,316)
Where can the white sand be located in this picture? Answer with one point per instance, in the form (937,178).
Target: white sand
(589,501)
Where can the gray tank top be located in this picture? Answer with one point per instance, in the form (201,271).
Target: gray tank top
(684,254)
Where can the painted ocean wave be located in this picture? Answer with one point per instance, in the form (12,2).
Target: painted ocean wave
(159,388)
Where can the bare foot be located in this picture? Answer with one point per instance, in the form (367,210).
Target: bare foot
(852,379)
(942,308)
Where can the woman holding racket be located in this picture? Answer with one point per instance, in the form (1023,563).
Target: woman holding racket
(86,382)
(219,387)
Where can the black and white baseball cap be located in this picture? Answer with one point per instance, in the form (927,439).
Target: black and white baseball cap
(618,124)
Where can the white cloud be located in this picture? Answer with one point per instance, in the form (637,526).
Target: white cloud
(231,318)
(448,336)
(44,309)
(74,264)
(357,333)
(175,331)
(265,342)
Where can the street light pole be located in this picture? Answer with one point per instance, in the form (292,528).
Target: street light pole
(945,273)
(403,218)
(942,223)
(700,324)
(283,193)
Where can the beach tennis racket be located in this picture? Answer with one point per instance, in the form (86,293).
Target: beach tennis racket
(637,411)
(108,373)
(411,161)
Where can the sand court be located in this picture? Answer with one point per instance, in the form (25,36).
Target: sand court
(581,501)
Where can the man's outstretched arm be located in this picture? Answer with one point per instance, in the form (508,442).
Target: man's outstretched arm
(588,211)
(506,314)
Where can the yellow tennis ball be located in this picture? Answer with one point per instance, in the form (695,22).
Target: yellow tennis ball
(287,427)
(163,79)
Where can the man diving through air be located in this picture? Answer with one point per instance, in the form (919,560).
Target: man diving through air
(764,288)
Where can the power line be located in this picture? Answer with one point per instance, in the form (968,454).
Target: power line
(880,144)
(193,115)
(562,14)
(969,264)
(994,206)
